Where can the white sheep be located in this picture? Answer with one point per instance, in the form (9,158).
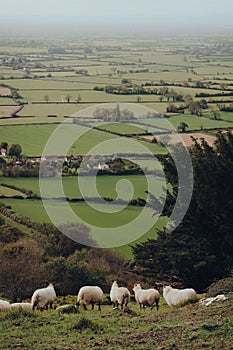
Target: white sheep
(4,305)
(146,297)
(24,306)
(175,297)
(67,309)
(119,295)
(90,295)
(44,297)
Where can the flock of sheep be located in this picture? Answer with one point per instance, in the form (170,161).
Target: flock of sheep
(120,297)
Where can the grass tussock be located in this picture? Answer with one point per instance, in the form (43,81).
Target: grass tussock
(85,323)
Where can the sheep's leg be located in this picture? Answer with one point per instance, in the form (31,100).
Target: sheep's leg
(85,307)
(92,306)
(99,305)
(157,305)
(115,305)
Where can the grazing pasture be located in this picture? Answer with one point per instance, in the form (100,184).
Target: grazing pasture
(99,218)
(194,123)
(57,79)
(188,327)
(106,185)
(123,129)
(33,139)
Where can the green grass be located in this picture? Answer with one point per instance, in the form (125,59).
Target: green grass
(195,123)
(106,185)
(9,192)
(16,224)
(122,129)
(227,116)
(98,218)
(45,109)
(33,139)
(189,327)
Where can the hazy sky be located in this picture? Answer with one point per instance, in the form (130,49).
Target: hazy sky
(114,14)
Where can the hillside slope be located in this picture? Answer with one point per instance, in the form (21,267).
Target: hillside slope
(188,327)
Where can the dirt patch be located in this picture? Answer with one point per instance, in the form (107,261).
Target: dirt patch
(185,138)
(9,111)
(5,91)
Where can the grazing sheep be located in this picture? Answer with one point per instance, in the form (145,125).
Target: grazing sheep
(67,309)
(24,306)
(175,297)
(4,305)
(44,297)
(90,295)
(146,297)
(119,295)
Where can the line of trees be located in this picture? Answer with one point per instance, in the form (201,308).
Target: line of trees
(199,250)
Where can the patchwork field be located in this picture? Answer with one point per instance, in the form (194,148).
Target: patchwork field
(57,79)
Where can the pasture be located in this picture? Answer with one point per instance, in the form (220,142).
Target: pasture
(123,129)
(33,139)
(100,218)
(194,123)
(105,185)
(74,70)
(191,326)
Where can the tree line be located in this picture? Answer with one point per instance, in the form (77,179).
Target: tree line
(199,250)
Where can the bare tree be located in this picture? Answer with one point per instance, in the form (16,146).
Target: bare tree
(68,98)
(79,99)
(46,98)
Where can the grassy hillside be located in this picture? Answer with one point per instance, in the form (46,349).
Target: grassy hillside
(36,211)
(188,327)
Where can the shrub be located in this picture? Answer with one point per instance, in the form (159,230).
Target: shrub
(222,286)
(85,323)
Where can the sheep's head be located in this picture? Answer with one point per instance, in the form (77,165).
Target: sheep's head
(136,287)
(166,289)
(115,284)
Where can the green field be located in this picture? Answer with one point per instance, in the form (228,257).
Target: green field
(227,116)
(33,139)
(150,62)
(195,123)
(188,327)
(122,129)
(106,185)
(98,218)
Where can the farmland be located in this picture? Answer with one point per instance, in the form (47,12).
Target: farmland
(106,185)
(44,84)
(99,218)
